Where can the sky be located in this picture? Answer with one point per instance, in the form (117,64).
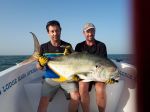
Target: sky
(112,19)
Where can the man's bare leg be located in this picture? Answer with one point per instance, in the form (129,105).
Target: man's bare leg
(84,96)
(100,96)
(74,101)
(44,101)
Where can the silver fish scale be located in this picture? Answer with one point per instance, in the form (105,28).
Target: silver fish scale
(84,57)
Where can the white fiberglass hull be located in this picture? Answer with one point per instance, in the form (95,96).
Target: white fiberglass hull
(20,90)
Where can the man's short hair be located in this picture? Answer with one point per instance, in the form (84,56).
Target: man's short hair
(52,23)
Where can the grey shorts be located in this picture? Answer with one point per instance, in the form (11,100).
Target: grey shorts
(50,87)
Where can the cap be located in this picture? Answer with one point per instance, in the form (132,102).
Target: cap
(88,26)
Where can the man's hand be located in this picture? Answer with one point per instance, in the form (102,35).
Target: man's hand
(111,81)
(67,50)
(43,61)
(75,78)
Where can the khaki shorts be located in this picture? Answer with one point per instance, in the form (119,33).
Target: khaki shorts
(50,87)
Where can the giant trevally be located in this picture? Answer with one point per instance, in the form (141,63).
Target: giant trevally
(85,66)
(79,65)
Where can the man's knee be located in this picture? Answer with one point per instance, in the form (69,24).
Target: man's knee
(83,89)
(100,88)
(100,92)
(75,96)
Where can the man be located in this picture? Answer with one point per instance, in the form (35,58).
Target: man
(92,46)
(51,80)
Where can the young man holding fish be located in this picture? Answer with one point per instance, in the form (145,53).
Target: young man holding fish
(52,82)
(92,46)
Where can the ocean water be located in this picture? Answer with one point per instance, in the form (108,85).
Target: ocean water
(11,60)
(8,61)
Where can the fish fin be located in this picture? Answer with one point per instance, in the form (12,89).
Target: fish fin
(60,79)
(86,76)
(87,80)
(82,75)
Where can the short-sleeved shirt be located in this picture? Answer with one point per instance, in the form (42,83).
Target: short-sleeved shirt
(48,48)
(50,87)
(99,48)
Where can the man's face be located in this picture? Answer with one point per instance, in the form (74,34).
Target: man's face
(89,34)
(54,33)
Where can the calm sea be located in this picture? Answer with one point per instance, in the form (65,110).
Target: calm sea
(8,61)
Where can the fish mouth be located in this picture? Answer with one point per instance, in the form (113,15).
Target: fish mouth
(115,75)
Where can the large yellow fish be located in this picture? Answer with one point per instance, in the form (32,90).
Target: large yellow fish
(80,65)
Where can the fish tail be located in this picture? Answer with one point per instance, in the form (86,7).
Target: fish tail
(36,54)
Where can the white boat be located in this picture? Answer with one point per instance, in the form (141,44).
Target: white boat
(20,91)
